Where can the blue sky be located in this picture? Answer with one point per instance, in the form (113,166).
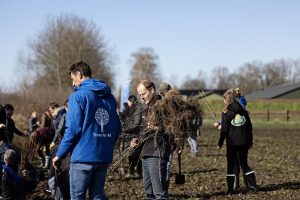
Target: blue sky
(188,36)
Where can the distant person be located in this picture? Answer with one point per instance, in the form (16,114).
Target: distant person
(163,89)
(52,107)
(92,128)
(124,114)
(3,145)
(132,127)
(192,133)
(47,119)
(57,112)
(241,99)
(61,126)
(59,183)
(3,131)
(236,128)
(10,123)
(45,135)
(33,122)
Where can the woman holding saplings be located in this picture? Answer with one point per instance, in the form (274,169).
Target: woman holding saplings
(236,128)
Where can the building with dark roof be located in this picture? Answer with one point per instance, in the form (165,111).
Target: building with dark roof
(209,94)
(285,91)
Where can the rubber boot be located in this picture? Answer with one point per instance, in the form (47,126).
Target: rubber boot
(245,180)
(139,169)
(230,183)
(236,181)
(251,182)
(236,173)
(131,160)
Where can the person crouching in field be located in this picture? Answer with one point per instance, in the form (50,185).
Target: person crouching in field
(15,185)
(236,128)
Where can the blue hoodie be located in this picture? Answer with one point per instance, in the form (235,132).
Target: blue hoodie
(92,124)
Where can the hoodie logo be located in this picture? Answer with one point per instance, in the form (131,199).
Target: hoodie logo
(238,120)
(102,117)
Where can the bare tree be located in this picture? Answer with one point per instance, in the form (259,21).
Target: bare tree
(258,75)
(144,66)
(294,74)
(220,77)
(250,76)
(64,41)
(194,83)
(276,72)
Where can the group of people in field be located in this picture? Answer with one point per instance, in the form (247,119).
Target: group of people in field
(17,175)
(79,140)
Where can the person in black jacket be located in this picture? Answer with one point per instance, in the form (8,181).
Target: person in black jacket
(132,127)
(3,131)
(236,128)
(10,124)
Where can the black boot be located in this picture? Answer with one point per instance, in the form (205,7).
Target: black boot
(251,182)
(236,181)
(237,174)
(245,180)
(230,183)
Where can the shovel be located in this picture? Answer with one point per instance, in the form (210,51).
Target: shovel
(179,178)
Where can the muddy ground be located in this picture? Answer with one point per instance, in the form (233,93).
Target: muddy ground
(275,158)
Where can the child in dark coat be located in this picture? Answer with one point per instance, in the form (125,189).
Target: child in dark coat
(236,128)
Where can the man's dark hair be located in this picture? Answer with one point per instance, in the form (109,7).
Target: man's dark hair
(132,98)
(148,84)
(66,103)
(82,67)
(9,107)
(53,105)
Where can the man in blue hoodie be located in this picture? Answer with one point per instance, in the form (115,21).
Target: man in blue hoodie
(92,128)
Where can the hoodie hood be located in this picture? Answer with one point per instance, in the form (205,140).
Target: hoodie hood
(235,107)
(97,86)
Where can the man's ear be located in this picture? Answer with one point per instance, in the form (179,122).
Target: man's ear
(152,90)
(80,74)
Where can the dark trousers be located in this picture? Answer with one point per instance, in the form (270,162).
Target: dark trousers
(237,154)
(135,165)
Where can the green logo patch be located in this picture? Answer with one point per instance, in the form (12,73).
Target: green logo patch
(238,120)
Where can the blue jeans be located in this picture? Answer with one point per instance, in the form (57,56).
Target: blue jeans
(85,177)
(155,178)
(193,143)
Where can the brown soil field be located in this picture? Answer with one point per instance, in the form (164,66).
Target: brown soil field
(275,158)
